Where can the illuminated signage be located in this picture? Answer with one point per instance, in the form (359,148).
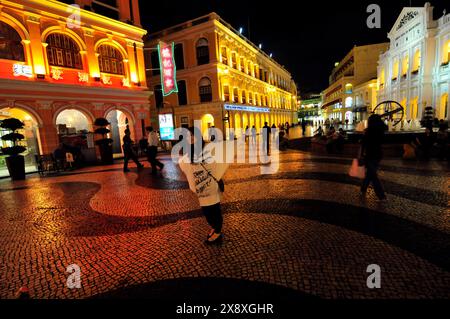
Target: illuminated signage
(57,74)
(168,68)
(106,79)
(83,77)
(236,107)
(126,82)
(166,128)
(22,70)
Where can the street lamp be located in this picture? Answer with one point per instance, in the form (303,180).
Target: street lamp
(241,29)
(260,45)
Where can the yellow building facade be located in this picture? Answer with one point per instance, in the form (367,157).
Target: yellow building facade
(62,66)
(357,69)
(224,80)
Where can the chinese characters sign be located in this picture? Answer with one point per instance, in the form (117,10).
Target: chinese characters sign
(22,70)
(168,69)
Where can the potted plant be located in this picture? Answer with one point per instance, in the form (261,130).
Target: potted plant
(15,162)
(104,144)
(428,117)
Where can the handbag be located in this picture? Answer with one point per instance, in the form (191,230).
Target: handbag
(220,182)
(356,170)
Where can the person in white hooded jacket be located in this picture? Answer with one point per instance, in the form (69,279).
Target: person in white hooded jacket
(204,177)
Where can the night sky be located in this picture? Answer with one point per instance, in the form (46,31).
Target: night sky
(306,38)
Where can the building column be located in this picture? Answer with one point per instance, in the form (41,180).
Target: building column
(37,53)
(134,76)
(91,56)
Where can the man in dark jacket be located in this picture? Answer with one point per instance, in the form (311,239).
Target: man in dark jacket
(128,152)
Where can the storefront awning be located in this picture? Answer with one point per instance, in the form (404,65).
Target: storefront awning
(331,103)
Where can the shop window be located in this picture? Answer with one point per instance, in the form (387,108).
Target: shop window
(63,51)
(182,93)
(11,47)
(205,90)
(110,60)
(202,51)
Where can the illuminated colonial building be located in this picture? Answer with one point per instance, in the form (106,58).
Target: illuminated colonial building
(224,80)
(415,71)
(62,66)
(310,108)
(356,70)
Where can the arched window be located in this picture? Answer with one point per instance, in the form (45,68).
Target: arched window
(205,90)
(110,60)
(11,47)
(63,51)
(202,51)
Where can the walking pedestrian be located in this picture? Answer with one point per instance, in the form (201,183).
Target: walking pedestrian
(371,154)
(266,138)
(152,150)
(129,152)
(253,132)
(247,133)
(303,127)
(204,176)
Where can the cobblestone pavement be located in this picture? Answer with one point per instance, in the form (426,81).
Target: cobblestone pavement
(304,232)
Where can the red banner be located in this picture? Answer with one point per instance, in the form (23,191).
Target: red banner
(168,68)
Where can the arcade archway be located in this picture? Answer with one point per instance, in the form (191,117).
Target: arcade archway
(31,141)
(119,122)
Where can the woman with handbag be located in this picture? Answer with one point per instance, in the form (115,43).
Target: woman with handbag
(371,154)
(205,180)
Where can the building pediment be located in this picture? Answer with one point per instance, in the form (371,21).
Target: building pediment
(406,17)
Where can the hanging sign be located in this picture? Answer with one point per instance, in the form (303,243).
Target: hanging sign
(168,68)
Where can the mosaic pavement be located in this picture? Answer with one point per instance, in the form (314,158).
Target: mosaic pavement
(304,232)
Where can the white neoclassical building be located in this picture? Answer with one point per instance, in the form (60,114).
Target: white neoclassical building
(415,70)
